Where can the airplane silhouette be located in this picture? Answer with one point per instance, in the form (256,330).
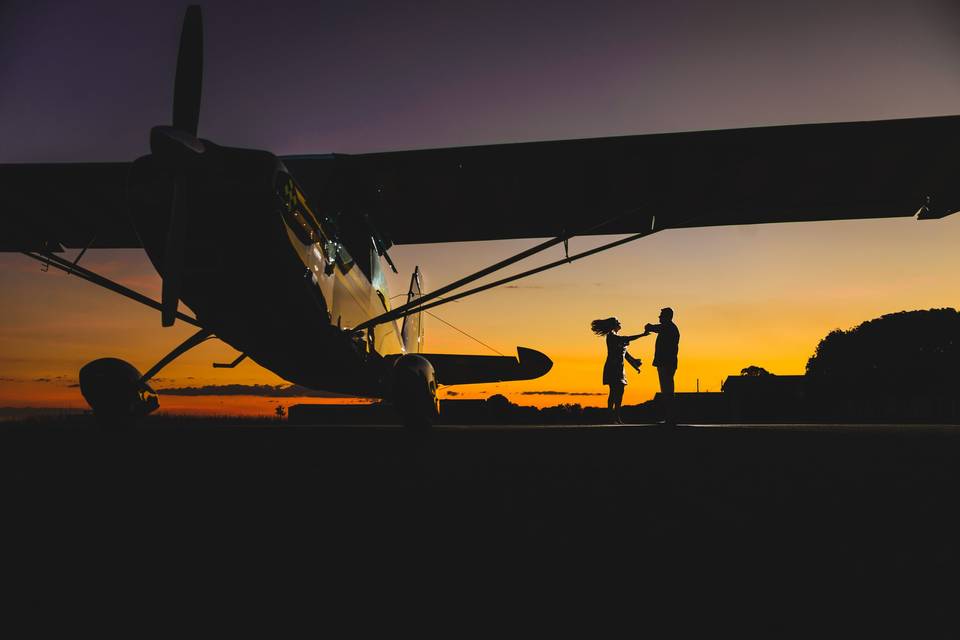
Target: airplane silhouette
(297,283)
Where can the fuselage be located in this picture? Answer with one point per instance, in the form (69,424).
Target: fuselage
(269,274)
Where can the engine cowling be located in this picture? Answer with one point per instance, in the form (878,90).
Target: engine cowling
(113,389)
(415,391)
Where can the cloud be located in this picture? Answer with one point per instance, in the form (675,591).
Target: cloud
(262,390)
(45,379)
(559,393)
(64,380)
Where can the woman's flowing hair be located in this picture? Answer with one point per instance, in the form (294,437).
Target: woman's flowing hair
(605,326)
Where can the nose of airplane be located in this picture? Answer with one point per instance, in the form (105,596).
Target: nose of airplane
(175,147)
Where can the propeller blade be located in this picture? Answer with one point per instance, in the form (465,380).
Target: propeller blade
(173,254)
(189,78)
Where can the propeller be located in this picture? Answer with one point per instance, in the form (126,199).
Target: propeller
(173,255)
(177,146)
(189,78)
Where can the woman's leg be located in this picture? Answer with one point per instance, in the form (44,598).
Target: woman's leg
(616,399)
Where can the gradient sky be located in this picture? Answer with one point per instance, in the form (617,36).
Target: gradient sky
(86,81)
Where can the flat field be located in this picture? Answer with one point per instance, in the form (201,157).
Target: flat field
(774,504)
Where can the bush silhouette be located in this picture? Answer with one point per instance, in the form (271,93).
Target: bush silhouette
(754,371)
(900,365)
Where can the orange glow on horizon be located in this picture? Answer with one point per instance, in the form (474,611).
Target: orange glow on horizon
(762,295)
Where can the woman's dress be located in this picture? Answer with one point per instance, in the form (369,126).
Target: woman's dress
(613,373)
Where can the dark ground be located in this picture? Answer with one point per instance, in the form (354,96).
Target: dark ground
(829,511)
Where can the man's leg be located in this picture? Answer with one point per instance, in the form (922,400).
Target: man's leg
(666,392)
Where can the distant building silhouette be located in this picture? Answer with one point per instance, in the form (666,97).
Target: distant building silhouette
(766,397)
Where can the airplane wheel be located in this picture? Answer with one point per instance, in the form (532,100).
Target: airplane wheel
(415,392)
(419,418)
(113,390)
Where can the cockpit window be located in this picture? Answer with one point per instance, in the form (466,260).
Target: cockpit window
(297,213)
(307,226)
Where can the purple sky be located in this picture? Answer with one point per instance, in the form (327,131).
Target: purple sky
(86,81)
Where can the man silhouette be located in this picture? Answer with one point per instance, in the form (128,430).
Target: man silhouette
(665,359)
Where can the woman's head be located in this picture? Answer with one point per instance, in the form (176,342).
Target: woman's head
(605,326)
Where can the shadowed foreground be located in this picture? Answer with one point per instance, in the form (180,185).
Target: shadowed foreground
(786,506)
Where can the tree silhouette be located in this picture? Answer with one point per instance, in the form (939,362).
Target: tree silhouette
(900,365)
(754,371)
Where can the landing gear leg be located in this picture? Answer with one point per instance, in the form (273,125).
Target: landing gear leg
(185,346)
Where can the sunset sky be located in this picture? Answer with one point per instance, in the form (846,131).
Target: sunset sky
(85,83)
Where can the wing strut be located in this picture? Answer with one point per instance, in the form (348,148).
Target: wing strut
(97,279)
(418,306)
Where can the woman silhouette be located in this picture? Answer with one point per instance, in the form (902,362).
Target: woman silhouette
(613,374)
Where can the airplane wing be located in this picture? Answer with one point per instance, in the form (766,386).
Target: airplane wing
(50,206)
(543,189)
(740,176)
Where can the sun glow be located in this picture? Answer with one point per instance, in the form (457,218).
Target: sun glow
(762,295)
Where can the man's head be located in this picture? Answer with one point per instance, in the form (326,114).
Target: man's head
(666,314)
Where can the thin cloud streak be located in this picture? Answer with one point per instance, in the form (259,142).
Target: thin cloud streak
(559,393)
(261,390)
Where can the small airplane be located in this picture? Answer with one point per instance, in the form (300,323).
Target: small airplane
(296,282)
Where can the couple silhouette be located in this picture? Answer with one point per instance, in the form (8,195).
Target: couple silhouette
(664,359)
